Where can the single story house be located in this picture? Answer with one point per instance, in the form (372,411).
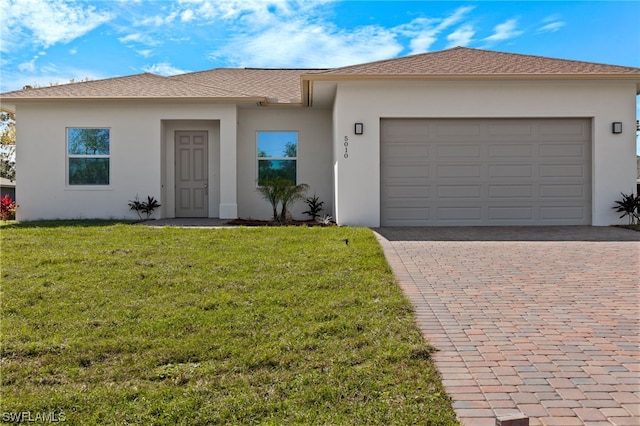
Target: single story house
(7,188)
(455,137)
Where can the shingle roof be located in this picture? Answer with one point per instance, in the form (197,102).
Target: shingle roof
(149,86)
(282,85)
(285,86)
(476,62)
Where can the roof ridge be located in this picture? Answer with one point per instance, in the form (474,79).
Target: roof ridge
(526,55)
(190,83)
(336,71)
(281,69)
(82,82)
(382,61)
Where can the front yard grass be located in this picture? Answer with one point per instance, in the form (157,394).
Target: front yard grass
(121,324)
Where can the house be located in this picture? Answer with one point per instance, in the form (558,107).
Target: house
(7,188)
(455,137)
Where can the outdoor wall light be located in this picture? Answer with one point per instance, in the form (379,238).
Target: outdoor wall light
(359,128)
(616,127)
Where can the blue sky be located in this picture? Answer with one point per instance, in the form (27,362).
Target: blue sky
(53,41)
(47,42)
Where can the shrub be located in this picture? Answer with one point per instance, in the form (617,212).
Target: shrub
(315,207)
(7,208)
(283,192)
(629,206)
(144,207)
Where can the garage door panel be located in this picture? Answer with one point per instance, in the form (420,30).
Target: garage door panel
(485,172)
(510,151)
(407,151)
(457,131)
(457,171)
(511,129)
(510,171)
(404,130)
(446,152)
(407,191)
(556,171)
(408,171)
(409,213)
(571,128)
(563,191)
(510,191)
(466,213)
(562,151)
(459,191)
(511,213)
(570,213)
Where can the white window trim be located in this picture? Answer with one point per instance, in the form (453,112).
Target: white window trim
(257,166)
(90,187)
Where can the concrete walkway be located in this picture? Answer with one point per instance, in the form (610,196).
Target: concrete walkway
(544,321)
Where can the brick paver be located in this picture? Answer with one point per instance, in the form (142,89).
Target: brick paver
(541,320)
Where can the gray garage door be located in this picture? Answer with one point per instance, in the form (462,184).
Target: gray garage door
(448,172)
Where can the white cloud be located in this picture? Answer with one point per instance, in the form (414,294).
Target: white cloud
(164,68)
(461,37)
(158,21)
(303,44)
(145,53)
(291,34)
(139,38)
(256,11)
(505,31)
(423,32)
(551,27)
(47,22)
(28,66)
(186,16)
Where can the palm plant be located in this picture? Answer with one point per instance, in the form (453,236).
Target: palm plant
(270,190)
(629,206)
(315,207)
(291,194)
(283,192)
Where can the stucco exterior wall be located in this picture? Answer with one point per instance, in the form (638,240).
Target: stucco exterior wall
(314,157)
(358,175)
(138,157)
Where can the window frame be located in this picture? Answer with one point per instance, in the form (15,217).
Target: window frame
(278,158)
(69,156)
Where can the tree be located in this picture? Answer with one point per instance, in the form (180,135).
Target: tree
(290,194)
(270,190)
(283,192)
(7,145)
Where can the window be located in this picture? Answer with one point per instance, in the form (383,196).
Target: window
(88,156)
(277,156)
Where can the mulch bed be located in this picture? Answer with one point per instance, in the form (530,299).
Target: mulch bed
(255,222)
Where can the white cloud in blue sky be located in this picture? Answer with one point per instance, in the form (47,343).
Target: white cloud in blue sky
(47,22)
(44,41)
(163,68)
(505,31)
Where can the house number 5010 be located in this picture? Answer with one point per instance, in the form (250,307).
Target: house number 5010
(346,147)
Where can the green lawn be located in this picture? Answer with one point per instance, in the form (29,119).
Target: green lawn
(121,324)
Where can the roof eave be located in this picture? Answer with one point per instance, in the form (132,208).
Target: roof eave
(478,77)
(268,104)
(16,100)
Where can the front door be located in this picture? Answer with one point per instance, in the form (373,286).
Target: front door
(191,174)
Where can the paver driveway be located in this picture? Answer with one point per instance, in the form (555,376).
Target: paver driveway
(541,320)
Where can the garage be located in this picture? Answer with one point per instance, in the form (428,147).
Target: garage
(485,172)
